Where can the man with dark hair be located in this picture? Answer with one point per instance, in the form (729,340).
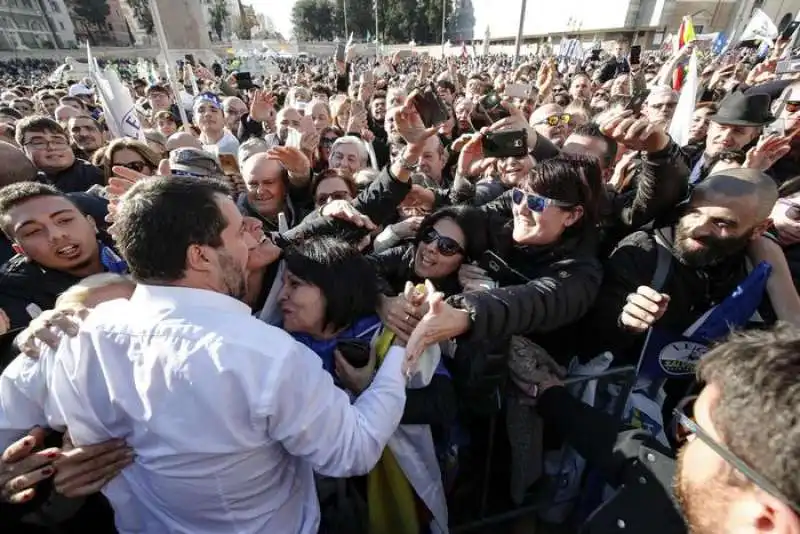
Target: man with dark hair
(46,143)
(185,330)
(447,91)
(737,473)
(86,136)
(56,246)
(589,139)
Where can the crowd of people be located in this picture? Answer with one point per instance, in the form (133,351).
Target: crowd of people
(370,296)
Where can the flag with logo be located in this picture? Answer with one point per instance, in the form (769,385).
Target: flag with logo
(760,28)
(685,36)
(118,108)
(720,43)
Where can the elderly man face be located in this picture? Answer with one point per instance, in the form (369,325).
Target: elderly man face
(347,156)
(660,106)
(548,122)
(265,185)
(234,109)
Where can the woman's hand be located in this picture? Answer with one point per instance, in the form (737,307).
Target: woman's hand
(767,151)
(352,378)
(470,159)
(48,328)
(441,323)
(407,227)
(122,181)
(292,159)
(344,211)
(262,108)
(21,468)
(409,124)
(787,227)
(400,315)
(81,471)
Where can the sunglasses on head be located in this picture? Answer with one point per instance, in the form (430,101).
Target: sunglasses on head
(686,429)
(554,120)
(447,246)
(137,166)
(536,202)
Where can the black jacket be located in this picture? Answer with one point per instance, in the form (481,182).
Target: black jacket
(563,281)
(79,177)
(395,267)
(692,292)
(631,461)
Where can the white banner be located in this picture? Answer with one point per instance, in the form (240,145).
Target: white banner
(760,28)
(682,120)
(118,108)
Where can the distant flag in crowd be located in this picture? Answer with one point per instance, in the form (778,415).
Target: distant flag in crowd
(720,44)
(682,120)
(685,36)
(760,28)
(118,107)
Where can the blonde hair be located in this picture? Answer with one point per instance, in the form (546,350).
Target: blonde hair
(78,293)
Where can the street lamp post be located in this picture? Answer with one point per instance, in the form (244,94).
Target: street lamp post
(444,11)
(377,41)
(344,4)
(519,32)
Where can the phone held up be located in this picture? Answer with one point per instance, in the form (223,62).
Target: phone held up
(354,351)
(430,107)
(505,144)
(636,103)
(492,104)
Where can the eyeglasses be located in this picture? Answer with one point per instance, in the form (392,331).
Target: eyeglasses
(447,246)
(792,106)
(536,202)
(41,144)
(665,105)
(137,166)
(688,427)
(554,120)
(336,195)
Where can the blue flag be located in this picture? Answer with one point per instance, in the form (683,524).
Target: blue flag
(719,43)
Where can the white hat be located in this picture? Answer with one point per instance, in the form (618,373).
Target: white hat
(79,90)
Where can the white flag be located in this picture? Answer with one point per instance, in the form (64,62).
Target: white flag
(760,28)
(118,108)
(682,120)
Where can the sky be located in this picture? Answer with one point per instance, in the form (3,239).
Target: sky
(486,12)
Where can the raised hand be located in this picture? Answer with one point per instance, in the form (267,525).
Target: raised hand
(635,133)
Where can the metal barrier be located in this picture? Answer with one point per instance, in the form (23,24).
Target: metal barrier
(628,373)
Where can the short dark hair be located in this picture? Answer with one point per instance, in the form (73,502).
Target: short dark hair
(758,410)
(319,88)
(11,112)
(572,178)
(75,99)
(86,117)
(446,84)
(38,124)
(161,217)
(13,195)
(344,276)
(157,88)
(591,129)
(328,174)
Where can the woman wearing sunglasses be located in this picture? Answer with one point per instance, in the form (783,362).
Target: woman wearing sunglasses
(130,154)
(543,238)
(328,135)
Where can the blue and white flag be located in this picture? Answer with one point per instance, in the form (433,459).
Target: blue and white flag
(719,44)
(118,107)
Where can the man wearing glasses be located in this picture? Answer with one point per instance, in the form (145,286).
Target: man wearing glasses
(46,144)
(550,121)
(739,447)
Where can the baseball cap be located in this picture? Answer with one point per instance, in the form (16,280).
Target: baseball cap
(80,89)
(194,162)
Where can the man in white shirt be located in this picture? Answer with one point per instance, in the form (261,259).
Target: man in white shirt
(209,117)
(229,417)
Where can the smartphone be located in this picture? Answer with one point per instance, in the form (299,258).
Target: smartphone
(339,54)
(430,107)
(789,30)
(518,90)
(505,144)
(354,351)
(229,165)
(636,54)
(492,105)
(637,101)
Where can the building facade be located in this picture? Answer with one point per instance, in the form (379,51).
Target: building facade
(112,32)
(35,24)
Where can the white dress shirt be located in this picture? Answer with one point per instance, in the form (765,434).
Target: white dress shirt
(228,417)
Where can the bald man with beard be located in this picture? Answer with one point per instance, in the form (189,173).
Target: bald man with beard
(707,260)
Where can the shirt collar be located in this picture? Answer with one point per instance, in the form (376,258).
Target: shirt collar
(175,296)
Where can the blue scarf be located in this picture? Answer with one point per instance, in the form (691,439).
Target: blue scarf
(112,261)
(363,328)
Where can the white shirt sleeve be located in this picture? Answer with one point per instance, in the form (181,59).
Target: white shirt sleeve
(314,419)
(23,394)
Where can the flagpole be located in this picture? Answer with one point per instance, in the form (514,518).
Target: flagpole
(519,33)
(162,41)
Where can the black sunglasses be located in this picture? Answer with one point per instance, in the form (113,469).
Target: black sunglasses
(137,166)
(336,195)
(447,246)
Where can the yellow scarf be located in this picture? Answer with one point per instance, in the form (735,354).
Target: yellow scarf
(390,497)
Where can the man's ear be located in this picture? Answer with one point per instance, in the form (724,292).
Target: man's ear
(198,258)
(761,229)
(17,249)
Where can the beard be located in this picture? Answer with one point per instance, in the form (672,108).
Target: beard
(705,505)
(714,251)
(233,278)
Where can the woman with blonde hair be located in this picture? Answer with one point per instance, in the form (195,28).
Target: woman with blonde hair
(129,153)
